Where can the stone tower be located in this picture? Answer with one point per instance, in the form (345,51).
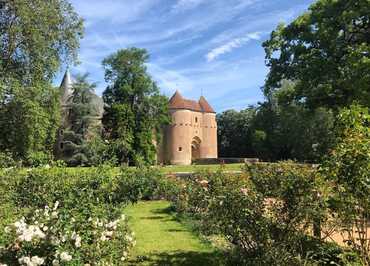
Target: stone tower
(192,134)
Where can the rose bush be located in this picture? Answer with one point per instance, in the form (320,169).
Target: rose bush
(267,213)
(50,237)
(67,216)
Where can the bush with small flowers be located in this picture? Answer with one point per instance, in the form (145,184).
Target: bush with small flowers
(49,236)
(61,216)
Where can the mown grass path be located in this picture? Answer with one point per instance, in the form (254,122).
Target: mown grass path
(163,240)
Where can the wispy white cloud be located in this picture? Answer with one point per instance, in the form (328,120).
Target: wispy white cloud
(231,45)
(115,11)
(183,5)
(181,36)
(170,80)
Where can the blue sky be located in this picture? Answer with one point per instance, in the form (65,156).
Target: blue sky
(212,46)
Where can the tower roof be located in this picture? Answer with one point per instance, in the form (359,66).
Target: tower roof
(67,82)
(179,102)
(205,105)
(66,87)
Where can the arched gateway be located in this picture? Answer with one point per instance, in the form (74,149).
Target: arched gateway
(195,148)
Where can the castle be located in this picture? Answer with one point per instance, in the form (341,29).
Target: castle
(191,135)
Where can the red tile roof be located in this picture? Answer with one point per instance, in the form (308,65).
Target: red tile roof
(205,105)
(178,102)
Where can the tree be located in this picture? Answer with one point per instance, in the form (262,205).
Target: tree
(277,129)
(235,131)
(135,111)
(29,120)
(35,37)
(83,123)
(326,51)
(292,131)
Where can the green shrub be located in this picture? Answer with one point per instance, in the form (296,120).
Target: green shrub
(37,159)
(141,183)
(295,193)
(7,160)
(54,236)
(347,168)
(90,201)
(266,214)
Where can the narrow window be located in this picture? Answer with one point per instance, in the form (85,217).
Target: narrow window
(196,120)
(61,145)
(180,148)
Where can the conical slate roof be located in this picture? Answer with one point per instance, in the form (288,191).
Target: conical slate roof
(179,102)
(66,87)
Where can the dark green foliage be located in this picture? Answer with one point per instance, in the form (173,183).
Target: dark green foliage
(38,159)
(326,51)
(140,184)
(36,37)
(348,168)
(275,130)
(6,160)
(135,111)
(235,133)
(29,119)
(82,143)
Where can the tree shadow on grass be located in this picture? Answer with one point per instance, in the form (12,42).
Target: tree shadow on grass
(190,258)
(168,210)
(153,217)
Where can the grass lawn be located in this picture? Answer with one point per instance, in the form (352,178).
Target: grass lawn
(195,168)
(168,169)
(164,240)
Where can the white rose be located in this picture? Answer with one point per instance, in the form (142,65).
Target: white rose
(64,256)
(37,260)
(24,260)
(78,241)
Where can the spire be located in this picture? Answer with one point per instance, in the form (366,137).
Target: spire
(206,107)
(176,101)
(66,87)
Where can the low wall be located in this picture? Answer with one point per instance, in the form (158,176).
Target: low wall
(226,160)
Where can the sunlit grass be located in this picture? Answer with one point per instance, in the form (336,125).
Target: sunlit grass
(196,168)
(163,240)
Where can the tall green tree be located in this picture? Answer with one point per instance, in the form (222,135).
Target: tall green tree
(135,111)
(326,51)
(29,120)
(235,133)
(83,122)
(276,129)
(36,37)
